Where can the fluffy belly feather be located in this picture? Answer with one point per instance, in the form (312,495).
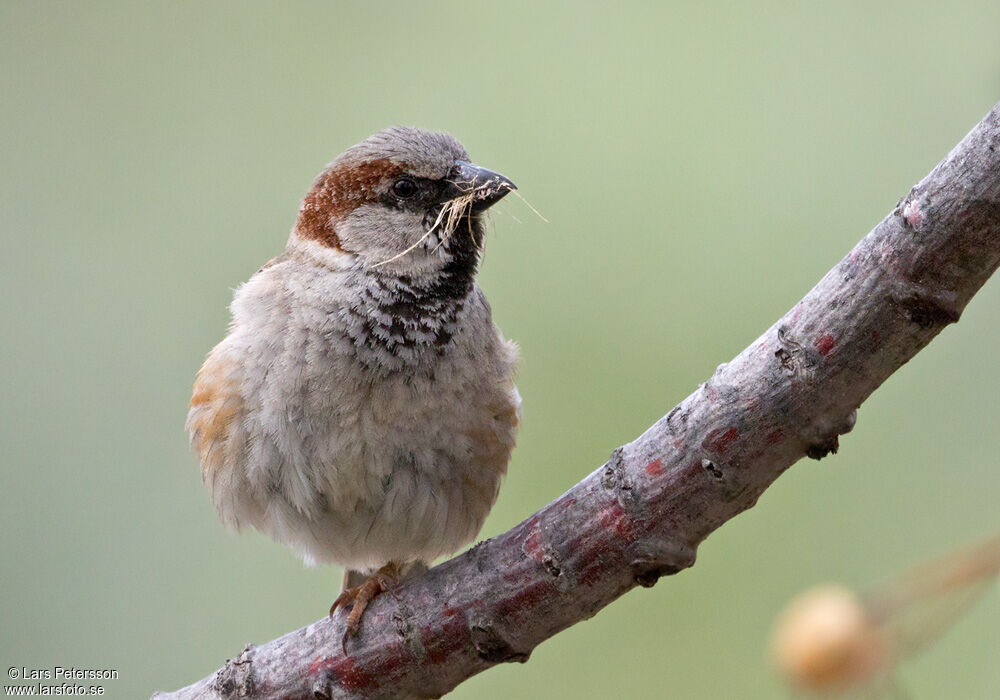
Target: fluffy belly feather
(401,481)
(344,473)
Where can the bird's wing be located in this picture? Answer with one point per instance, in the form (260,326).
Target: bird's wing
(214,422)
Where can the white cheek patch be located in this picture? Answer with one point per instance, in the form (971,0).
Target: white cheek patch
(380,234)
(375,230)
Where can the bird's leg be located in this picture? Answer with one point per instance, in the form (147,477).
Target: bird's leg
(358,597)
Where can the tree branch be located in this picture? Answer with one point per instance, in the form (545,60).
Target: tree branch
(643,514)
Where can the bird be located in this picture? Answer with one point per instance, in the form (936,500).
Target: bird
(362,408)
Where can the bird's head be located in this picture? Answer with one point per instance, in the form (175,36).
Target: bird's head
(404,200)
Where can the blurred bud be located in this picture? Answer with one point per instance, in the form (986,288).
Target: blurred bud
(824,640)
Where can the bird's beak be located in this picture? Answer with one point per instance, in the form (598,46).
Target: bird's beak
(486,187)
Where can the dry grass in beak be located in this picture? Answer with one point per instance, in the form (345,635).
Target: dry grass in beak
(456,209)
(528,204)
(450,216)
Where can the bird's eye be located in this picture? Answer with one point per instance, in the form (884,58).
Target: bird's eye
(404,187)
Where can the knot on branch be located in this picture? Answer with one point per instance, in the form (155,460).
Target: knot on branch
(236,678)
(712,468)
(794,359)
(927,309)
(614,478)
(537,547)
(493,648)
(652,559)
(677,419)
(827,446)
(726,477)
(912,211)
(826,440)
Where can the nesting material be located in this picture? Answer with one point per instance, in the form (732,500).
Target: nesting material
(447,221)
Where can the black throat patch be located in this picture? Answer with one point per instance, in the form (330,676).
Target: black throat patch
(399,323)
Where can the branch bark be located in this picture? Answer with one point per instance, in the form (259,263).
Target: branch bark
(643,514)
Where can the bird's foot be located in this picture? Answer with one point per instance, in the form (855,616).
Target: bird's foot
(357,598)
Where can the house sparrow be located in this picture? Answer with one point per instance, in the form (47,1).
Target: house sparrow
(362,407)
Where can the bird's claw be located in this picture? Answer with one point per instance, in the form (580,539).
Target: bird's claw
(358,599)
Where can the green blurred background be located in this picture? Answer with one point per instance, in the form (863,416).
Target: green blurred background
(700,169)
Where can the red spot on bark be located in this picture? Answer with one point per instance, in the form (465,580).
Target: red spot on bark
(590,557)
(590,575)
(824,344)
(615,519)
(524,600)
(720,439)
(775,436)
(453,636)
(532,546)
(320,664)
(344,672)
(593,563)
(655,468)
